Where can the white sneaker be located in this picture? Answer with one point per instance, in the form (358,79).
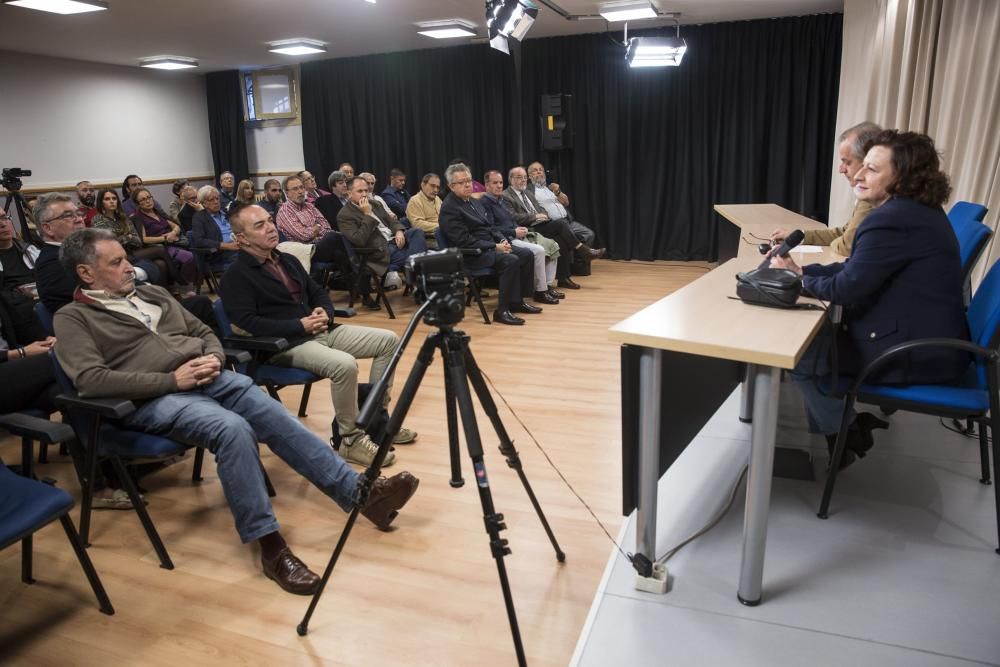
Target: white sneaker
(362,450)
(392,280)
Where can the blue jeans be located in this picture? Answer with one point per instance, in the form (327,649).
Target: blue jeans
(229,417)
(415,243)
(824,412)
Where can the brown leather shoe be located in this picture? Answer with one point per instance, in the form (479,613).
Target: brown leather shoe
(387,497)
(290,573)
(587,253)
(568,283)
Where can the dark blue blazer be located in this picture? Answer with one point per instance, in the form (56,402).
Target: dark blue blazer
(499,216)
(204,232)
(466,225)
(903,281)
(397,200)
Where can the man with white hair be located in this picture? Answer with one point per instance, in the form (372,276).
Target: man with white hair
(851,153)
(555,202)
(210,229)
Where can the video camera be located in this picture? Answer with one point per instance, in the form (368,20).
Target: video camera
(438,273)
(12,178)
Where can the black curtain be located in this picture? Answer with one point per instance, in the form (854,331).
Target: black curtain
(225,123)
(748,117)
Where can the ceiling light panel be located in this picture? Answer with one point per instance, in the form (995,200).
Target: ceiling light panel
(631,10)
(60,6)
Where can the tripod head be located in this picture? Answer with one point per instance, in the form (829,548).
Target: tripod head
(438,276)
(12,178)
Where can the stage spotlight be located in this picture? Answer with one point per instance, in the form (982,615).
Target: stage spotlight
(655,51)
(509,19)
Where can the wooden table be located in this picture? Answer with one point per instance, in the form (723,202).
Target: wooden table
(684,337)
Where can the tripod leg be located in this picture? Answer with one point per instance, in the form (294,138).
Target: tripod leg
(424,357)
(507,445)
(449,397)
(453,352)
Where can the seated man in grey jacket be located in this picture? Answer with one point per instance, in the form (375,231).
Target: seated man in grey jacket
(140,344)
(367,223)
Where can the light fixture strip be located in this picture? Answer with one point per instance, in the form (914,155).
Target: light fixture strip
(60,6)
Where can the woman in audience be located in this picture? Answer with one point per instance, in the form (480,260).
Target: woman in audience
(903,282)
(227,191)
(175,206)
(245,192)
(154,260)
(158,229)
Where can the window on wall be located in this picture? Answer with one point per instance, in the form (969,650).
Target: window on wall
(271,94)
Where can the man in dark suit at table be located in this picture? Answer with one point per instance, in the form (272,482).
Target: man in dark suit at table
(465,225)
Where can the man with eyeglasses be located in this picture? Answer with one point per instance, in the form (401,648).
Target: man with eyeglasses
(424,208)
(465,224)
(331,203)
(57,218)
(301,221)
(313,191)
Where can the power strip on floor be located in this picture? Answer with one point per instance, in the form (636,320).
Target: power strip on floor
(655,583)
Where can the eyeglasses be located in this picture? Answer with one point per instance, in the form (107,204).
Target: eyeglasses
(68,215)
(5,218)
(466,181)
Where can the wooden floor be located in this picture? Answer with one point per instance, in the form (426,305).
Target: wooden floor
(425,593)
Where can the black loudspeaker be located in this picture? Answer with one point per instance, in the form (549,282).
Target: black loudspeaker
(556,122)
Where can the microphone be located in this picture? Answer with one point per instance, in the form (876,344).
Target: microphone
(790,242)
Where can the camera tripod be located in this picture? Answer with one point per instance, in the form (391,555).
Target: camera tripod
(459,369)
(13,187)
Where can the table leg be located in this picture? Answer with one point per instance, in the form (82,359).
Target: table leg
(650,372)
(766,381)
(746,395)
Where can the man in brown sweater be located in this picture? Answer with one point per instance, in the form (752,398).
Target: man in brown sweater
(851,153)
(140,344)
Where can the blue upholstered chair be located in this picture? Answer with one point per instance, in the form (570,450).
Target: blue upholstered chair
(976,396)
(272,378)
(474,276)
(967,220)
(95,423)
(27,505)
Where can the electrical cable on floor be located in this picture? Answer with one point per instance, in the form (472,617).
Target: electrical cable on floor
(629,557)
(531,435)
(712,522)
(959,428)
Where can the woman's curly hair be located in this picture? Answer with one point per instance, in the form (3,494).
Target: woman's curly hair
(917,167)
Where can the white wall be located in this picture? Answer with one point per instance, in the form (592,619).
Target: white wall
(69,120)
(275,149)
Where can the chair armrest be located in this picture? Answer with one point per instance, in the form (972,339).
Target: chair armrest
(257,343)
(36,428)
(113,408)
(909,346)
(235,357)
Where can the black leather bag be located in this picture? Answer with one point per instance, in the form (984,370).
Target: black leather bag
(774,288)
